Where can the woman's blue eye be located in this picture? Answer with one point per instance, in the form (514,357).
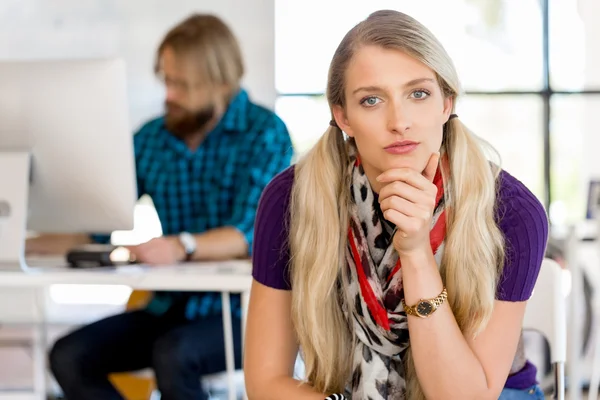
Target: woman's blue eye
(420,94)
(370,101)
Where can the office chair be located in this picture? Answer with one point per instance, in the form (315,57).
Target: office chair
(546,314)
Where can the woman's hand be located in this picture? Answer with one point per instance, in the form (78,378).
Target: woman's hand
(408,200)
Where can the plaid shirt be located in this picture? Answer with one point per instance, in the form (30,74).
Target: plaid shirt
(215,186)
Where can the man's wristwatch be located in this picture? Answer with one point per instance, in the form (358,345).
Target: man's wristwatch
(425,307)
(188,241)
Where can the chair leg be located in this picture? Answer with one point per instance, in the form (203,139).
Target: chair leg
(559,380)
(228,333)
(595,373)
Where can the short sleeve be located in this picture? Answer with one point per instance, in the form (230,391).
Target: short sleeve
(524,223)
(271,254)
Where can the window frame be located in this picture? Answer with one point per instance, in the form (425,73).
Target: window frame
(546,93)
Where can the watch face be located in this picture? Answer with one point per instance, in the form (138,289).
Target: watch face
(188,241)
(424,308)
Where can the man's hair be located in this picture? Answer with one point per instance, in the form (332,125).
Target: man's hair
(209,41)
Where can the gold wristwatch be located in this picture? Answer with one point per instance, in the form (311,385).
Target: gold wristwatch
(425,307)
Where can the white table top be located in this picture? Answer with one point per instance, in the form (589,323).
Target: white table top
(232,276)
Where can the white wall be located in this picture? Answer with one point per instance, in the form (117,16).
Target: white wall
(132,29)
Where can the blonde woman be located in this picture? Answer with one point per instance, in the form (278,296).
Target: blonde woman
(395,256)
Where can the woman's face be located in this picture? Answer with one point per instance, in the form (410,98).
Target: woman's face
(395,110)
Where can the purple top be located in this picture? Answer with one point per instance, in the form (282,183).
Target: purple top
(520,216)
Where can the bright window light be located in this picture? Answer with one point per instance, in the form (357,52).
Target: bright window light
(146,225)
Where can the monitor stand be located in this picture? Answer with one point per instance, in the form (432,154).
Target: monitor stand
(14,195)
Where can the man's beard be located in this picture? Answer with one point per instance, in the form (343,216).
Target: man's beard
(184,123)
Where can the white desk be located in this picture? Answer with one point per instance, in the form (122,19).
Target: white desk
(231,276)
(225,277)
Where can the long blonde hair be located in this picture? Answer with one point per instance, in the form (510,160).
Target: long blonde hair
(474,247)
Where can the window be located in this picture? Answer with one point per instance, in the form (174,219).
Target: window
(528,69)
(485,38)
(294,111)
(573,58)
(572,117)
(512,124)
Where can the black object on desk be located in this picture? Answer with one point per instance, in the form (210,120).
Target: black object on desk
(94,256)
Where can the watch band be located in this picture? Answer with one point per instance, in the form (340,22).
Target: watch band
(188,241)
(435,303)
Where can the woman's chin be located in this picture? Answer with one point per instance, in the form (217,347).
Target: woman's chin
(402,163)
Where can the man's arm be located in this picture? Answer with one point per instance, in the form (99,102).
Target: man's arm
(217,244)
(55,243)
(271,153)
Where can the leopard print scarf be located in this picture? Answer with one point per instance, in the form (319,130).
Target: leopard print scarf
(374,288)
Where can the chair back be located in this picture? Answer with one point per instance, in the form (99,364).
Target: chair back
(546,309)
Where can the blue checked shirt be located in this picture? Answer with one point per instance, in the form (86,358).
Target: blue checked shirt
(215,186)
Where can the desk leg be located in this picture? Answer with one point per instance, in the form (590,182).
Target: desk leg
(228,336)
(40,346)
(245,303)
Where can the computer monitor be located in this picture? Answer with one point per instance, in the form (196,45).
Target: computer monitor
(66,151)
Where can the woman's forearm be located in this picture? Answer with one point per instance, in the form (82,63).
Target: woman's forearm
(446,366)
(283,388)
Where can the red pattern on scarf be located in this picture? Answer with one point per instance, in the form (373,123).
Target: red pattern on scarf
(436,237)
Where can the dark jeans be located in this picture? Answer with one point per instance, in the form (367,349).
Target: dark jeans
(179,351)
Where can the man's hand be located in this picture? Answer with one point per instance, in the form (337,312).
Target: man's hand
(159,251)
(54,244)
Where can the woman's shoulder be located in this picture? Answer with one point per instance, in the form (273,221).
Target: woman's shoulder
(270,254)
(281,184)
(515,199)
(275,199)
(524,223)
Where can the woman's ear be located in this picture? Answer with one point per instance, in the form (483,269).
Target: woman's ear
(448,105)
(340,119)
